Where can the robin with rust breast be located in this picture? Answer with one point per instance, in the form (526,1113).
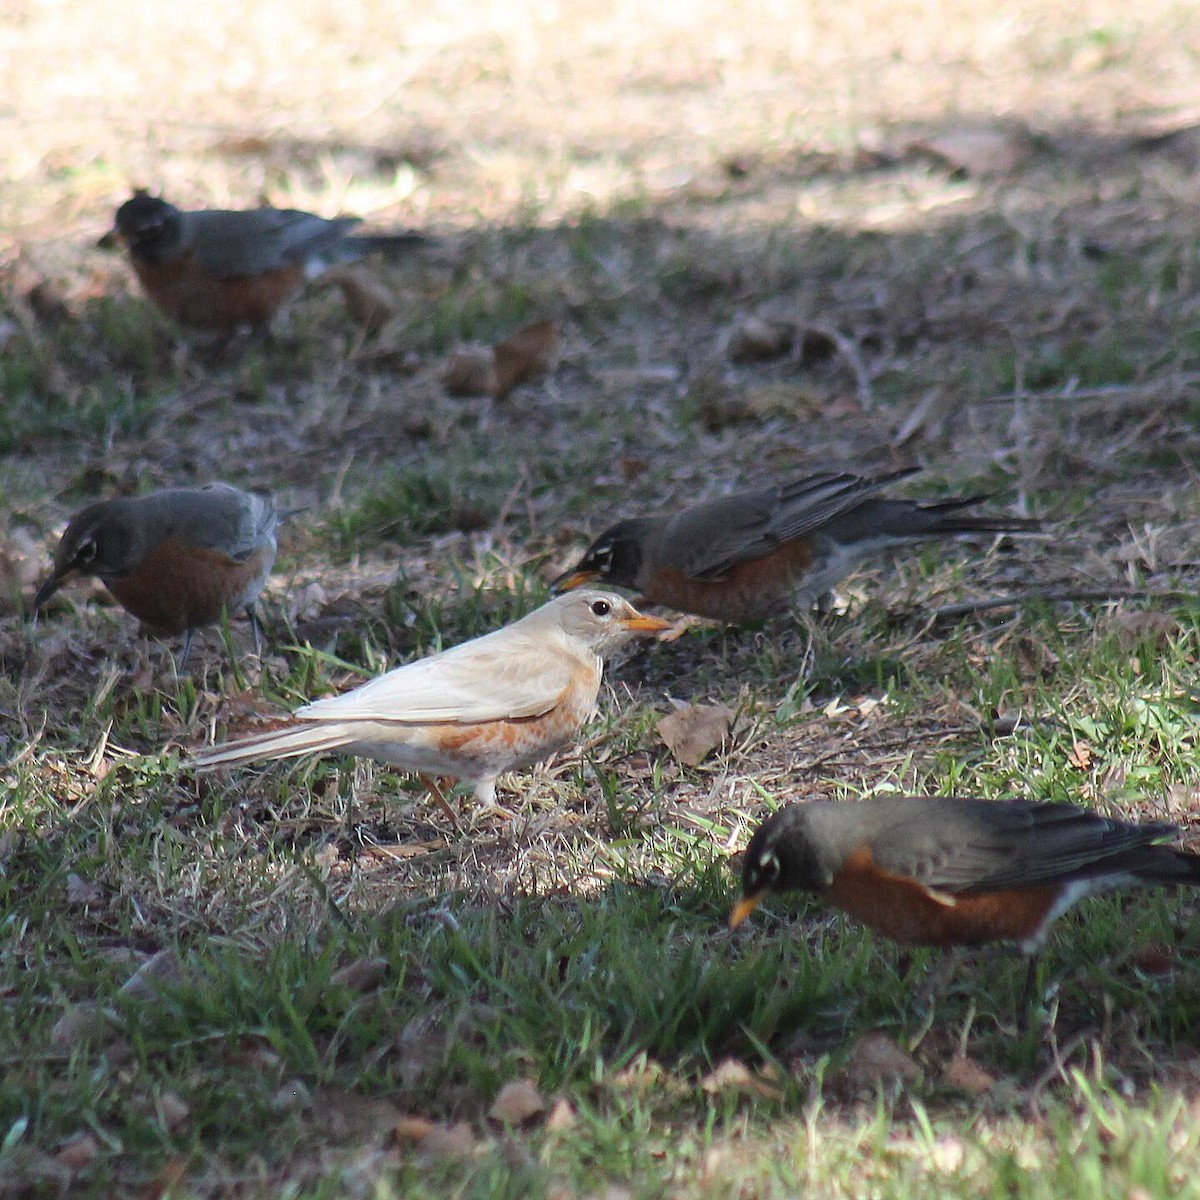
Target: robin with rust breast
(222,269)
(950,872)
(490,705)
(176,559)
(745,557)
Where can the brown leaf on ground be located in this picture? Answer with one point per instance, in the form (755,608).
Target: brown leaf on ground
(561,1116)
(976,152)
(1154,958)
(21,559)
(877,1059)
(169,1176)
(1081,756)
(83,893)
(517,1102)
(470,371)
(78,1151)
(435,1141)
(85,1022)
(362,975)
(1156,628)
(965,1074)
(527,353)
(368,302)
(691,732)
(731,1074)
(160,970)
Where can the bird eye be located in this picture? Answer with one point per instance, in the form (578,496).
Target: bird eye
(601,608)
(768,867)
(86,550)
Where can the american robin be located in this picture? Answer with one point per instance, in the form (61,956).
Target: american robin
(743,557)
(493,704)
(176,559)
(950,872)
(220,269)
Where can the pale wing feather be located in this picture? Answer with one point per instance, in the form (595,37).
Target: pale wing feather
(488,679)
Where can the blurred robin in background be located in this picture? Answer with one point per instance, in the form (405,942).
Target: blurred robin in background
(219,269)
(951,872)
(744,557)
(176,559)
(490,705)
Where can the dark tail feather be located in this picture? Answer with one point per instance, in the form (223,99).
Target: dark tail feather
(975,524)
(1171,865)
(386,243)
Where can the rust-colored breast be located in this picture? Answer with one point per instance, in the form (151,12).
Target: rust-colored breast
(184,291)
(749,591)
(910,913)
(179,585)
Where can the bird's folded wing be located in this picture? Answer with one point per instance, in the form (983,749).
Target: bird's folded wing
(240,244)
(224,518)
(1008,846)
(483,680)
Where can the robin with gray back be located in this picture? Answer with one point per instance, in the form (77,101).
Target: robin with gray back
(951,872)
(747,556)
(222,269)
(176,559)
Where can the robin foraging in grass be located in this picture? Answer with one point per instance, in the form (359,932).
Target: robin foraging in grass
(176,559)
(951,872)
(219,270)
(490,705)
(744,557)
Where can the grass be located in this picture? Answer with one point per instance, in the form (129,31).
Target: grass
(278,981)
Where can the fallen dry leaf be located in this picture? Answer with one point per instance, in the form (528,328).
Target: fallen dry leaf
(1081,756)
(977,152)
(1157,628)
(517,1102)
(561,1116)
(160,970)
(78,1151)
(368,302)
(173,1110)
(1155,958)
(82,893)
(470,371)
(527,353)
(449,1142)
(362,975)
(731,1074)
(694,730)
(965,1074)
(413,1129)
(84,1022)
(877,1059)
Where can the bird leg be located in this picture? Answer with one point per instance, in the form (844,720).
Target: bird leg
(439,798)
(1027,994)
(255,632)
(187,646)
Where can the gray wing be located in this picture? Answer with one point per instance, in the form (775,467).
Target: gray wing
(710,539)
(232,244)
(980,846)
(222,517)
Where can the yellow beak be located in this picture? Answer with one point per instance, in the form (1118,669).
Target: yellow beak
(644,624)
(743,908)
(570,580)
